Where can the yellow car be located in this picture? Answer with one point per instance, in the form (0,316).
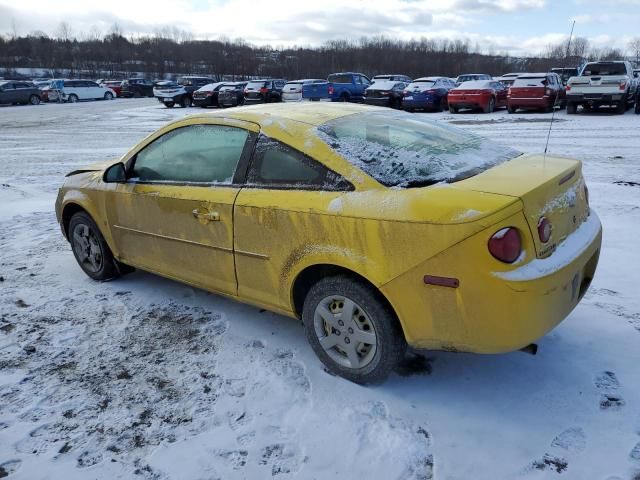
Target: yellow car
(377,229)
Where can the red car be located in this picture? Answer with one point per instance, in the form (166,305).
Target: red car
(115,85)
(485,95)
(537,91)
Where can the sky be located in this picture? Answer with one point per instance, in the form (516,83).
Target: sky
(518,27)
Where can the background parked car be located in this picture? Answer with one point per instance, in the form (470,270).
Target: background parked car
(427,93)
(395,77)
(313,89)
(385,93)
(637,107)
(180,93)
(136,87)
(207,96)
(75,90)
(536,91)
(231,94)
(115,85)
(508,78)
(263,91)
(485,95)
(469,77)
(565,73)
(348,86)
(16,92)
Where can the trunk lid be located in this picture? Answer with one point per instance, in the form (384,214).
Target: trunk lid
(552,188)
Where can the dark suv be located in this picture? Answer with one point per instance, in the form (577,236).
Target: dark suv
(263,91)
(19,92)
(136,87)
(231,94)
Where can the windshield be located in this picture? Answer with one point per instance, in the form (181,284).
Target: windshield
(601,69)
(256,84)
(530,82)
(401,150)
(422,84)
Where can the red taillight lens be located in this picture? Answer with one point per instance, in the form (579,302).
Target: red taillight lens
(544,229)
(264,90)
(246,90)
(548,92)
(330,90)
(506,245)
(567,88)
(405,93)
(623,85)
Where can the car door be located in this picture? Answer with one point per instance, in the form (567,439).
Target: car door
(22,92)
(9,93)
(94,91)
(72,87)
(174,214)
(277,216)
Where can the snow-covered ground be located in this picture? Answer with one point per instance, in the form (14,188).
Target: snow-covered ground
(147,378)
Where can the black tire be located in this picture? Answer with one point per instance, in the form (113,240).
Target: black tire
(511,109)
(637,109)
(73,98)
(108,96)
(453,109)
(136,94)
(390,345)
(34,100)
(410,110)
(344,97)
(185,102)
(621,107)
(491,106)
(99,263)
(572,108)
(169,105)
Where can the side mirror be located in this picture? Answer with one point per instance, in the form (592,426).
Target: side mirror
(115,174)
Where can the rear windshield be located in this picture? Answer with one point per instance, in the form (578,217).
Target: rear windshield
(403,150)
(602,69)
(340,78)
(256,84)
(530,82)
(422,84)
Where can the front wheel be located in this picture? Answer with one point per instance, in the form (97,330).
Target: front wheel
(572,108)
(90,248)
(73,98)
(34,100)
(453,109)
(491,106)
(108,96)
(353,332)
(185,102)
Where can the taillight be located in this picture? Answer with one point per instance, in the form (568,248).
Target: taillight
(509,91)
(548,92)
(330,90)
(264,90)
(544,229)
(405,93)
(506,245)
(567,88)
(431,90)
(246,90)
(623,85)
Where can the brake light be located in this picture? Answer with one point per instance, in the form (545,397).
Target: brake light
(330,90)
(548,91)
(568,87)
(264,90)
(405,93)
(623,85)
(506,245)
(544,229)
(431,90)
(246,90)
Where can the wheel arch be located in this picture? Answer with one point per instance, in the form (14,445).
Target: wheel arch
(311,274)
(75,205)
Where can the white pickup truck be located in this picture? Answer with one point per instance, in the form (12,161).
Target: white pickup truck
(599,84)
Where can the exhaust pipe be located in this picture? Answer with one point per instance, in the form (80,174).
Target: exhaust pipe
(531,349)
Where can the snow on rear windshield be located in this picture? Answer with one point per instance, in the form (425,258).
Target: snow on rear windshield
(402,150)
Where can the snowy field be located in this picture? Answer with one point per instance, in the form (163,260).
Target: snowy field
(147,378)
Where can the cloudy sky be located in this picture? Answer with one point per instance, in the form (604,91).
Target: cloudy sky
(516,26)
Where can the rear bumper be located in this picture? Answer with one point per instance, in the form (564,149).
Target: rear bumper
(427,102)
(494,312)
(251,101)
(468,103)
(528,102)
(199,102)
(603,98)
(380,102)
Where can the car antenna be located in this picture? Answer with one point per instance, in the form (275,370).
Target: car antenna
(553,113)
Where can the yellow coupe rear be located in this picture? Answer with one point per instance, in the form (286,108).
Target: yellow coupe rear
(378,229)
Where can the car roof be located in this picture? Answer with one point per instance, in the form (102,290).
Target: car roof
(474,84)
(466,74)
(385,84)
(427,79)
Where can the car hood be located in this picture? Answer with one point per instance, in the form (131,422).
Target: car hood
(94,167)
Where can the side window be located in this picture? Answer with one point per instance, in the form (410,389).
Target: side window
(277,165)
(197,153)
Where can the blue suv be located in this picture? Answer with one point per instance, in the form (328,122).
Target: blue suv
(347,86)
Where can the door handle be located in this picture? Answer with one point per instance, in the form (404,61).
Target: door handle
(208,215)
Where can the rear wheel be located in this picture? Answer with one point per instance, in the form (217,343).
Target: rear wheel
(108,96)
(453,109)
(511,109)
(621,107)
(637,109)
(90,248)
(344,97)
(136,94)
(572,108)
(185,102)
(72,98)
(34,100)
(491,106)
(353,332)
(169,105)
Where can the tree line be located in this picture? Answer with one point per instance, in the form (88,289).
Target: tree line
(174,52)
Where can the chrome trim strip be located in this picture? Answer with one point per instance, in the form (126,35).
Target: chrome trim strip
(253,255)
(183,240)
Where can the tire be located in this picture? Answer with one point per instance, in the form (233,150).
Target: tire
(371,320)
(108,96)
(572,108)
(621,107)
(637,109)
(90,248)
(344,97)
(185,102)
(511,109)
(549,108)
(169,105)
(491,106)
(136,94)
(73,98)
(453,109)
(410,110)
(34,100)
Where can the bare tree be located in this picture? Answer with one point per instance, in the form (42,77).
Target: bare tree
(634,46)
(64,32)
